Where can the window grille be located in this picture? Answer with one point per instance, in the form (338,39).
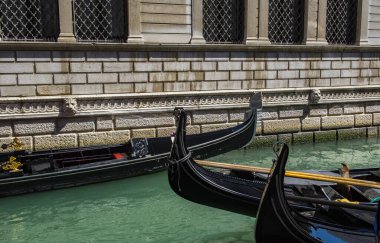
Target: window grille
(29,20)
(286,21)
(341,21)
(99,20)
(223,21)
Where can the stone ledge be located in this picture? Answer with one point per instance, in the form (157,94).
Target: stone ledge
(262,141)
(136,103)
(281,126)
(100,105)
(303,137)
(113,137)
(325,136)
(27,143)
(353,133)
(285,138)
(77,46)
(55,141)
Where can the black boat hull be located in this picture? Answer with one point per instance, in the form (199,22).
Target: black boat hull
(72,177)
(278,222)
(238,192)
(154,159)
(205,187)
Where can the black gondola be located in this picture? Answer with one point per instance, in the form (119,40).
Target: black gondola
(203,186)
(278,222)
(47,170)
(240,192)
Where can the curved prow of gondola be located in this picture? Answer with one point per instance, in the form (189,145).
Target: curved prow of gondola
(278,222)
(224,140)
(195,183)
(179,148)
(269,227)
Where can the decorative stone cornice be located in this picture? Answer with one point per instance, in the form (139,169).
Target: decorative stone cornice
(68,46)
(327,95)
(87,105)
(315,96)
(70,106)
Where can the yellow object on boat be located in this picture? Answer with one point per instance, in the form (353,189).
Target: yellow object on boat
(345,200)
(11,165)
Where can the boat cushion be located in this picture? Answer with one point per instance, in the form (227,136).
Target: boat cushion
(118,155)
(41,164)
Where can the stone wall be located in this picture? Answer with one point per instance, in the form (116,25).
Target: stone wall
(374,22)
(47,73)
(319,123)
(78,98)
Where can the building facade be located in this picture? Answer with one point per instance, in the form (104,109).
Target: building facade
(84,72)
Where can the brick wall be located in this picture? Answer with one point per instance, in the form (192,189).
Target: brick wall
(30,80)
(319,123)
(89,73)
(62,132)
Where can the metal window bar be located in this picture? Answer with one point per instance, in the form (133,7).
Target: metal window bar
(341,22)
(100,20)
(29,20)
(286,21)
(223,21)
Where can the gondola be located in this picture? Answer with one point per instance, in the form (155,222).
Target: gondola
(195,183)
(240,192)
(23,171)
(278,222)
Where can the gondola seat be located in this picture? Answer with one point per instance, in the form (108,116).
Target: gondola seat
(41,165)
(119,155)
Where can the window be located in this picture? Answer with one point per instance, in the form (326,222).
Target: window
(286,21)
(341,21)
(223,21)
(29,20)
(99,20)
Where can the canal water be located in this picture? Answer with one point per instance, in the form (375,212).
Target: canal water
(144,209)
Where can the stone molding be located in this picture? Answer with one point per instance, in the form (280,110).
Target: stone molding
(83,46)
(88,105)
(326,96)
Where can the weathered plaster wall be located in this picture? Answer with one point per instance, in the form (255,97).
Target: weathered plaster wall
(374,22)
(166,21)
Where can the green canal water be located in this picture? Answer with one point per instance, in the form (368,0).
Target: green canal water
(144,209)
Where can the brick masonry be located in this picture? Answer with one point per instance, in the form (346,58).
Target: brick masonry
(298,127)
(62,73)
(177,70)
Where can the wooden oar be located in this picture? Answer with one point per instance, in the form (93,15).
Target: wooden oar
(294,174)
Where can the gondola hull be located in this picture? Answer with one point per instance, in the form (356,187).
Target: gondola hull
(65,168)
(71,177)
(205,187)
(238,192)
(278,222)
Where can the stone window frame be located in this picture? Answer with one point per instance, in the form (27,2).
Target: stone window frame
(286,22)
(256,23)
(320,27)
(35,21)
(66,22)
(224,21)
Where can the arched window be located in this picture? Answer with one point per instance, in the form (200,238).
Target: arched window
(29,20)
(99,20)
(341,21)
(286,21)
(223,21)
